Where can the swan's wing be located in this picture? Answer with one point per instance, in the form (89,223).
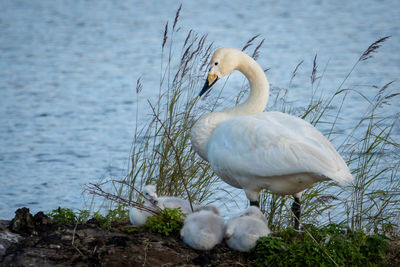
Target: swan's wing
(274,144)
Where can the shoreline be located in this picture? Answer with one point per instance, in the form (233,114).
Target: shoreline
(28,240)
(36,240)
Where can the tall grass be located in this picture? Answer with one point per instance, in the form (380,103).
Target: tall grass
(372,201)
(162,153)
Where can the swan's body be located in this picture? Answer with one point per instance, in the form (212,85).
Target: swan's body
(255,150)
(203,229)
(242,232)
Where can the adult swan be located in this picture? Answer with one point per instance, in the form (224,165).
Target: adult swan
(254,150)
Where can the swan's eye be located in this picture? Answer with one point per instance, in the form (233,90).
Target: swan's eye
(216,63)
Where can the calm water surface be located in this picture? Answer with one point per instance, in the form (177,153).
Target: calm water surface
(68,71)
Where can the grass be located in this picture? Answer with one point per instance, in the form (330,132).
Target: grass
(162,152)
(167,222)
(331,245)
(66,215)
(371,202)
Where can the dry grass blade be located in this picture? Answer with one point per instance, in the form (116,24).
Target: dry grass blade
(313,76)
(177,16)
(187,38)
(294,73)
(373,48)
(250,42)
(256,51)
(207,56)
(385,86)
(165,35)
(392,95)
(139,86)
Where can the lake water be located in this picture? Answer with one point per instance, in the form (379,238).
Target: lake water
(68,72)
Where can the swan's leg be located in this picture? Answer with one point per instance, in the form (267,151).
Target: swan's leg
(296,209)
(255,203)
(253,196)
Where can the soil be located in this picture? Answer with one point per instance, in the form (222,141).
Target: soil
(38,241)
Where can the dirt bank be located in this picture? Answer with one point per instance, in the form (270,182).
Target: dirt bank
(37,241)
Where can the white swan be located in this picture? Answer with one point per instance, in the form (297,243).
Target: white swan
(242,232)
(203,229)
(163,202)
(255,150)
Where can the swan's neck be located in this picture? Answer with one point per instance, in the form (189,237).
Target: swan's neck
(259,88)
(255,103)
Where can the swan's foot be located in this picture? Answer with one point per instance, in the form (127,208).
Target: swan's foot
(296,209)
(255,203)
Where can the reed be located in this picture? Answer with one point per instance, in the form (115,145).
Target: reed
(161,151)
(371,202)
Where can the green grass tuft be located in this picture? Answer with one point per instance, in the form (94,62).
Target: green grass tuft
(62,215)
(167,222)
(331,245)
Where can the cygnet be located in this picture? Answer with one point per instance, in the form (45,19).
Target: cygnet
(139,216)
(170,202)
(242,232)
(203,229)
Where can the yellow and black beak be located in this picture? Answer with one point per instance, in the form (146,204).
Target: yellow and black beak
(211,79)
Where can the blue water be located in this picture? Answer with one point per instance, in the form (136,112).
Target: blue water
(68,72)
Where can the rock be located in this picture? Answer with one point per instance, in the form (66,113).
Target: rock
(25,224)
(7,238)
(22,222)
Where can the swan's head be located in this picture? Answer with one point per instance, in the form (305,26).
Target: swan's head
(223,62)
(150,194)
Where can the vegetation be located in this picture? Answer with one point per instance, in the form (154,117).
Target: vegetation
(62,215)
(371,202)
(331,245)
(65,215)
(162,153)
(120,214)
(167,222)
(342,225)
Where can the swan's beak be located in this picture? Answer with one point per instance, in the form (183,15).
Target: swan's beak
(154,200)
(212,78)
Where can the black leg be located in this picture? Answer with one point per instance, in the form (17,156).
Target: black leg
(297,212)
(254,203)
